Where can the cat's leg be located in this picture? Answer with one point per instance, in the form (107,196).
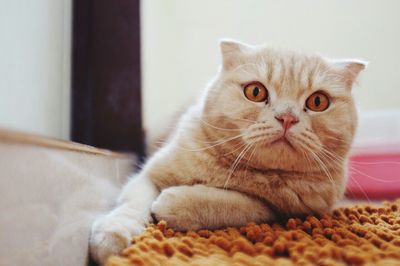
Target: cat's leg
(113,232)
(197,207)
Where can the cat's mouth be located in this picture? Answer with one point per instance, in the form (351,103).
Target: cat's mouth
(283,141)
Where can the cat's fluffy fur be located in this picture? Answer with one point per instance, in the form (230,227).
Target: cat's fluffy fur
(223,167)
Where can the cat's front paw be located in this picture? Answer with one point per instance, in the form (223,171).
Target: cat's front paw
(110,237)
(176,209)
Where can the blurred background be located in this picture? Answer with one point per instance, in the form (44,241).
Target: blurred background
(87,70)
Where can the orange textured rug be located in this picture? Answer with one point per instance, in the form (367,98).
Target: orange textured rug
(355,235)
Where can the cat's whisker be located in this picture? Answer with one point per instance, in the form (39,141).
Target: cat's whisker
(344,141)
(213,127)
(353,169)
(334,137)
(159,144)
(201,141)
(212,146)
(237,147)
(351,192)
(250,157)
(373,178)
(307,159)
(306,141)
(228,116)
(325,168)
(360,172)
(198,141)
(337,143)
(361,189)
(342,159)
(338,161)
(235,164)
(310,138)
(246,120)
(311,133)
(259,137)
(219,128)
(332,157)
(376,163)
(320,164)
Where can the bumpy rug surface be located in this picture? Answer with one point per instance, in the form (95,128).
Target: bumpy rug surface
(355,235)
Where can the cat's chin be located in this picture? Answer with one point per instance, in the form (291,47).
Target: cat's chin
(280,155)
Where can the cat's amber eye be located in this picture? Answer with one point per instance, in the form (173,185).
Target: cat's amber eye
(256,92)
(317,102)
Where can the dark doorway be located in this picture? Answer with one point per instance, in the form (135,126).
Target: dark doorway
(106,98)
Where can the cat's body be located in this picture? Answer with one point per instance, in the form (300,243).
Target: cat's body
(257,144)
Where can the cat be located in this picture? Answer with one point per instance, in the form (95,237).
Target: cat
(269,136)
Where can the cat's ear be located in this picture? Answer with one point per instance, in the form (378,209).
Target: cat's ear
(350,69)
(232,51)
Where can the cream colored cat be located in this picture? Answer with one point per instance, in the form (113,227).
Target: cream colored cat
(269,136)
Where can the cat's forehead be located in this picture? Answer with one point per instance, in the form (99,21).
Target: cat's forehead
(285,71)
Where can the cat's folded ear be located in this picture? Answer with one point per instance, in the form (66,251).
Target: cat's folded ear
(232,51)
(350,69)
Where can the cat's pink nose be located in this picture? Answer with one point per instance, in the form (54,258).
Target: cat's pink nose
(287,120)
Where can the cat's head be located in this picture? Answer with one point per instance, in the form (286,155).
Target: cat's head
(282,109)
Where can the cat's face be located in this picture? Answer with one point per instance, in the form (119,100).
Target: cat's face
(281,109)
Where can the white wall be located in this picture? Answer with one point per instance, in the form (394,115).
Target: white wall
(35,66)
(180,52)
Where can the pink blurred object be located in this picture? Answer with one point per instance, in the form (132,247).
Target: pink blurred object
(375,173)
(374,169)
